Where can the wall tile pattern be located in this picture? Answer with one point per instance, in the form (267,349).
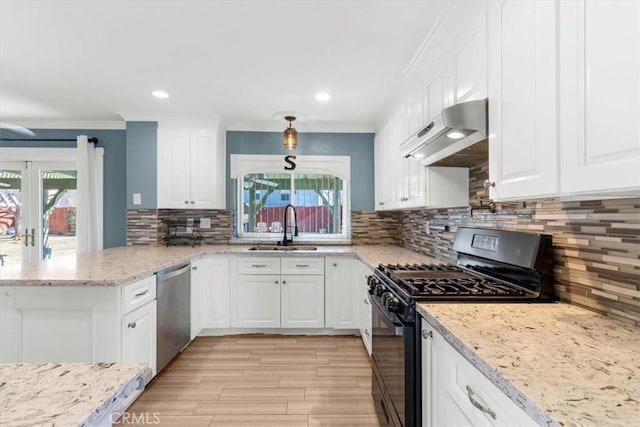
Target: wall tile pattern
(142,227)
(220,231)
(375,228)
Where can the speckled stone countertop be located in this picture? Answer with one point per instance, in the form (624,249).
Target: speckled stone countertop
(578,366)
(117,266)
(64,394)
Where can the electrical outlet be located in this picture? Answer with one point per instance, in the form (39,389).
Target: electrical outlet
(426,228)
(205,222)
(137,198)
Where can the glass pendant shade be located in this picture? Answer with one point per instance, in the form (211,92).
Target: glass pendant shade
(290,135)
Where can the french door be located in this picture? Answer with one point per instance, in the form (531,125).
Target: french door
(37,209)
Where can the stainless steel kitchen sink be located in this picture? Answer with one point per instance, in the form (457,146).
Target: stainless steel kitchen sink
(270,248)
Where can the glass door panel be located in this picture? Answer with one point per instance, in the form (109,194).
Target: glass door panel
(13,177)
(58,208)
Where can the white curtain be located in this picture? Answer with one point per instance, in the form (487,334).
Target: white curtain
(89,209)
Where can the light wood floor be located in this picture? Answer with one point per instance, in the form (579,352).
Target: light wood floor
(264,380)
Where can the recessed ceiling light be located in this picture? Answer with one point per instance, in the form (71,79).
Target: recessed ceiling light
(160,94)
(323,96)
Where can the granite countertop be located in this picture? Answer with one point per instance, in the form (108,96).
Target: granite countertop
(578,366)
(117,266)
(64,394)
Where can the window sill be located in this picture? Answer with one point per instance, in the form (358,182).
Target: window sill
(296,240)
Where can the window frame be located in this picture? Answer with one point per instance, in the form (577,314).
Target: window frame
(242,165)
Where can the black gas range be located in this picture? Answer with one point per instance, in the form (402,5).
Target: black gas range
(492,266)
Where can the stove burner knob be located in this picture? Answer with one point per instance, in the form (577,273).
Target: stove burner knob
(380,288)
(372,282)
(393,305)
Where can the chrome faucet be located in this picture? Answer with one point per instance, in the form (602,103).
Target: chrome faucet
(285,241)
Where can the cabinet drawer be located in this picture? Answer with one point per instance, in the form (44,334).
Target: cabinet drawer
(138,293)
(258,265)
(297,265)
(477,396)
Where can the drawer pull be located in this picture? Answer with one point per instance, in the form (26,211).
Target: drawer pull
(366,332)
(335,264)
(366,301)
(259,265)
(302,265)
(427,334)
(139,294)
(131,325)
(474,402)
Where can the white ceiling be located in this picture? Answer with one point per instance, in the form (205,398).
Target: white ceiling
(243,60)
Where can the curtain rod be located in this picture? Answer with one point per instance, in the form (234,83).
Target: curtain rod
(92,140)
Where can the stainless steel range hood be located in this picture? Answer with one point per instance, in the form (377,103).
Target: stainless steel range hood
(457,137)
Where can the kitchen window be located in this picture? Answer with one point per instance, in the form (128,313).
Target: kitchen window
(317,188)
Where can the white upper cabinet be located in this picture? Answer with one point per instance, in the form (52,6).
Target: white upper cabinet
(437,91)
(414,106)
(190,166)
(523,140)
(600,96)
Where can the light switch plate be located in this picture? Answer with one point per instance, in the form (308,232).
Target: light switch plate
(137,198)
(205,222)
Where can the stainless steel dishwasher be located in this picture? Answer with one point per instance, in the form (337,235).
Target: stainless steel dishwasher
(174,318)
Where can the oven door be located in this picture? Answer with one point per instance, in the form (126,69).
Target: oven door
(389,354)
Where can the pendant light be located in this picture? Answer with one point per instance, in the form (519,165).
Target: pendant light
(290,135)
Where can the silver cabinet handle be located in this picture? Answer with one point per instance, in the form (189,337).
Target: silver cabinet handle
(284,282)
(335,264)
(194,268)
(427,334)
(186,202)
(258,265)
(131,325)
(193,203)
(483,408)
(366,332)
(486,184)
(302,265)
(381,203)
(366,301)
(26,237)
(276,282)
(139,294)
(33,237)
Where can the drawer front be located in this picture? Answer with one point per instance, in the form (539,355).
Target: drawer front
(258,265)
(479,397)
(298,265)
(138,293)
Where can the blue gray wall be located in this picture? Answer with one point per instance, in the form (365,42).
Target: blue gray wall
(359,146)
(142,164)
(113,142)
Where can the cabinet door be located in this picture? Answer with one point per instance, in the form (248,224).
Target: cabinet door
(414,105)
(174,174)
(384,170)
(428,375)
(523,141)
(213,275)
(302,299)
(415,173)
(600,96)
(469,77)
(258,301)
(365,308)
(139,336)
(205,188)
(343,284)
(436,92)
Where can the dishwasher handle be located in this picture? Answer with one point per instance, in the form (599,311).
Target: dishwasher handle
(169,273)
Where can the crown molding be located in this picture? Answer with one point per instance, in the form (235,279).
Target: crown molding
(300,127)
(73,124)
(158,117)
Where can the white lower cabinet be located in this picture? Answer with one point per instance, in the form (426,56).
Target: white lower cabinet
(79,324)
(139,336)
(365,307)
(211,280)
(342,293)
(277,300)
(455,393)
